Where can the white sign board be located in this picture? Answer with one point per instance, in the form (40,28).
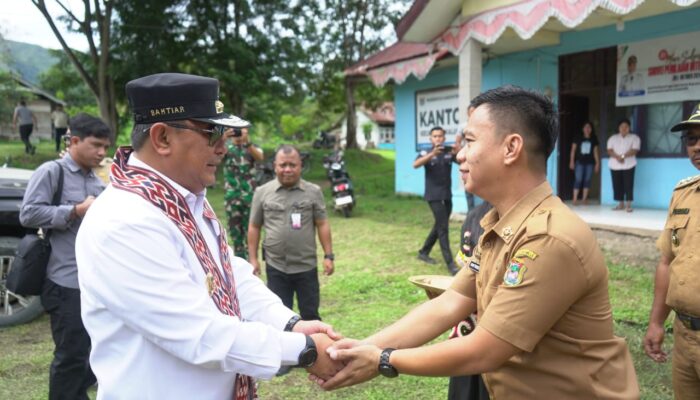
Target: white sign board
(659,71)
(439,107)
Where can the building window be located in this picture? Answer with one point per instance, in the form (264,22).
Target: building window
(386,134)
(660,141)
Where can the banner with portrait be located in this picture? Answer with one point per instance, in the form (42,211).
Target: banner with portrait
(662,70)
(436,107)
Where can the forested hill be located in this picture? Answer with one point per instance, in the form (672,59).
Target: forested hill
(29,60)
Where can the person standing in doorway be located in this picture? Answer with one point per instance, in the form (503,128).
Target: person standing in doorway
(59,120)
(622,149)
(27,121)
(438,193)
(584,161)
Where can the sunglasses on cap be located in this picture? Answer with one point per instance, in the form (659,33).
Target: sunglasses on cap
(689,140)
(215,134)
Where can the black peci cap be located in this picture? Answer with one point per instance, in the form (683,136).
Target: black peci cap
(173,96)
(693,121)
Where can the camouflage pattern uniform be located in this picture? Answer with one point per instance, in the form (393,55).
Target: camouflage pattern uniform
(239,185)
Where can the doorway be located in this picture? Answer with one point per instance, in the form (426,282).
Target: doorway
(585,81)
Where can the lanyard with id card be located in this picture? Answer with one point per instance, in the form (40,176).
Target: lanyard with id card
(295,217)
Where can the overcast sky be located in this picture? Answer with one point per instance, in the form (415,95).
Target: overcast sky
(21,21)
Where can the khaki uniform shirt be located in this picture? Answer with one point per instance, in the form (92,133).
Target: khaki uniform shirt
(541,284)
(287,248)
(680,243)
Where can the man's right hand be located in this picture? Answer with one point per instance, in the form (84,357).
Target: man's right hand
(653,342)
(324,367)
(81,208)
(256,266)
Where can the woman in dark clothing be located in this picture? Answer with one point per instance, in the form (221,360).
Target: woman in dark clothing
(584,161)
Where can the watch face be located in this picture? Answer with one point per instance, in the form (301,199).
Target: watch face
(388,371)
(308,357)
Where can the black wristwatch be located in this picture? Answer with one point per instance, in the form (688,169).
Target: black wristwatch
(385,367)
(292,321)
(330,256)
(308,356)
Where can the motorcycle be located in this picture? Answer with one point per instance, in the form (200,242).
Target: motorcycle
(324,141)
(341,185)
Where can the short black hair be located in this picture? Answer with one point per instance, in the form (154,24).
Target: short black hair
(632,59)
(624,121)
(139,134)
(84,125)
(532,114)
(22,102)
(436,128)
(286,149)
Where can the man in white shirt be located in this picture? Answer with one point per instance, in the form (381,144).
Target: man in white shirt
(171,313)
(632,83)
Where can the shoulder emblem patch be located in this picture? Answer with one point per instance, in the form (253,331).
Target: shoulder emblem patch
(686,181)
(525,253)
(514,273)
(681,211)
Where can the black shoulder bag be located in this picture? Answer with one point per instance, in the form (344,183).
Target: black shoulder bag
(28,269)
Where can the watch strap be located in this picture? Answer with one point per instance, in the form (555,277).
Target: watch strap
(290,324)
(329,256)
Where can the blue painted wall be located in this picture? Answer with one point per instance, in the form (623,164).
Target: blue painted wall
(538,69)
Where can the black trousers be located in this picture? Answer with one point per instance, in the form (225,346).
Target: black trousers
(70,374)
(623,184)
(441,213)
(59,137)
(304,284)
(24,132)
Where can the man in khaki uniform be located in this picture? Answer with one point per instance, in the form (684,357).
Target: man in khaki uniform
(537,278)
(677,282)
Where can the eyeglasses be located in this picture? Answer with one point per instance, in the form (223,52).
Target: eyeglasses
(215,134)
(690,140)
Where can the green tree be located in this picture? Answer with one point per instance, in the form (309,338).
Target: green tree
(96,26)
(9,96)
(352,30)
(63,80)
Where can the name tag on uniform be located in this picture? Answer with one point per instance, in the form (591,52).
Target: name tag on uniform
(473,266)
(681,211)
(296,220)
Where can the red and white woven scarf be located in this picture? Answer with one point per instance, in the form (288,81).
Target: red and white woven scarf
(157,191)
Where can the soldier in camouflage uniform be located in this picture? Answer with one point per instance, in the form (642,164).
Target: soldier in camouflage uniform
(239,184)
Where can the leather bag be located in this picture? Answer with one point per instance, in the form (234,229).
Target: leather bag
(28,269)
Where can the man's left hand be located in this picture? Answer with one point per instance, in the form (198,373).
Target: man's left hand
(328,267)
(311,327)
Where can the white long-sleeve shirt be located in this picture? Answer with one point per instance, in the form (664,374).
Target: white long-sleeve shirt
(156,333)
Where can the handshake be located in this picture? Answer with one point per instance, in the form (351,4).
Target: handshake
(340,362)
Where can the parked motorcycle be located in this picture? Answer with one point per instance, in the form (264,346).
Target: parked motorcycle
(324,141)
(341,185)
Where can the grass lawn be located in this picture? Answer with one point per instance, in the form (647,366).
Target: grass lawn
(375,254)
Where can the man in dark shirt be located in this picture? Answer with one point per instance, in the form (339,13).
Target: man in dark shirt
(438,194)
(70,373)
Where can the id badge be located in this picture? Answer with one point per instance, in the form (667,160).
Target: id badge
(296,220)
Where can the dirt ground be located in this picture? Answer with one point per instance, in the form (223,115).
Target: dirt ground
(633,247)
